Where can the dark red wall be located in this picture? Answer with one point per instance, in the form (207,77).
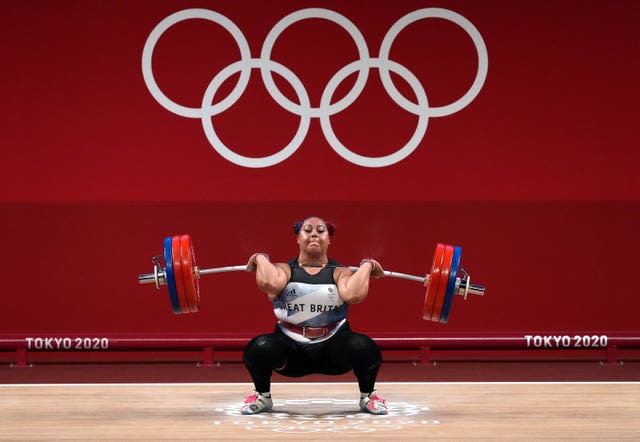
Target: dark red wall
(536,178)
(547,266)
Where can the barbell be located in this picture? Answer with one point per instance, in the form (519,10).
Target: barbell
(181,276)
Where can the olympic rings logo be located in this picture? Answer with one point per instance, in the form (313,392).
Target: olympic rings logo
(303,108)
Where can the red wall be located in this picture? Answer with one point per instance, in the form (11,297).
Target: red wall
(536,178)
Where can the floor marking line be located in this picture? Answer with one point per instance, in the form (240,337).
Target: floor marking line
(279,384)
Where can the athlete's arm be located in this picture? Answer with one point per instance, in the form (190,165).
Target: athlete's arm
(270,278)
(354,286)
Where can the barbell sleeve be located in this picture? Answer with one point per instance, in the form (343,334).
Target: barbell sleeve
(149,278)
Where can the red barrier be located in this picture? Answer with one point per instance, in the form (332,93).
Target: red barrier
(555,346)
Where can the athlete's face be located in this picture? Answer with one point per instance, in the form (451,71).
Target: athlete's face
(314,236)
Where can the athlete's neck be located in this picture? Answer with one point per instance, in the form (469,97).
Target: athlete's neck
(308,261)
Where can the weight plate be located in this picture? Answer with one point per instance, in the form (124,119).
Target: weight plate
(432,285)
(196,277)
(168,272)
(451,286)
(177,273)
(191,287)
(444,280)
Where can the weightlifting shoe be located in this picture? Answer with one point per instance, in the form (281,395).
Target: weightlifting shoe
(373,404)
(257,403)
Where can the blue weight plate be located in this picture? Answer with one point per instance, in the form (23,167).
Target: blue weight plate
(170,277)
(451,285)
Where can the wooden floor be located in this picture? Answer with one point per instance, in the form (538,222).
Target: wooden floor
(322,411)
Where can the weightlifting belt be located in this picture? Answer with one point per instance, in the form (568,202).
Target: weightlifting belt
(309,332)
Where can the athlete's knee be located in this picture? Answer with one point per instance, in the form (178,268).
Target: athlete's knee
(363,347)
(259,347)
(265,351)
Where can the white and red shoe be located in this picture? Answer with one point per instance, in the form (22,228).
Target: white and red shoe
(373,404)
(257,403)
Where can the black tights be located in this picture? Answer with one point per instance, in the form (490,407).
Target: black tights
(344,351)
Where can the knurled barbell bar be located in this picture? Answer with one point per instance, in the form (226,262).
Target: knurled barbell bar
(181,275)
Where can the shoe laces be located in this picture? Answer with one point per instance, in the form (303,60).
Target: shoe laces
(251,399)
(375,401)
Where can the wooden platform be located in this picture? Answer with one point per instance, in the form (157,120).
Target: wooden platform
(321,411)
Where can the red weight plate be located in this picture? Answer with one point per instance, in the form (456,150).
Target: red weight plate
(432,285)
(190,287)
(444,281)
(177,273)
(187,272)
(196,279)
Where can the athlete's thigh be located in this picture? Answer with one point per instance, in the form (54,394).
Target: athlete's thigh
(337,358)
(298,363)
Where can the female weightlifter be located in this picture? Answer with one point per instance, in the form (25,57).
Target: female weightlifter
(311,295)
